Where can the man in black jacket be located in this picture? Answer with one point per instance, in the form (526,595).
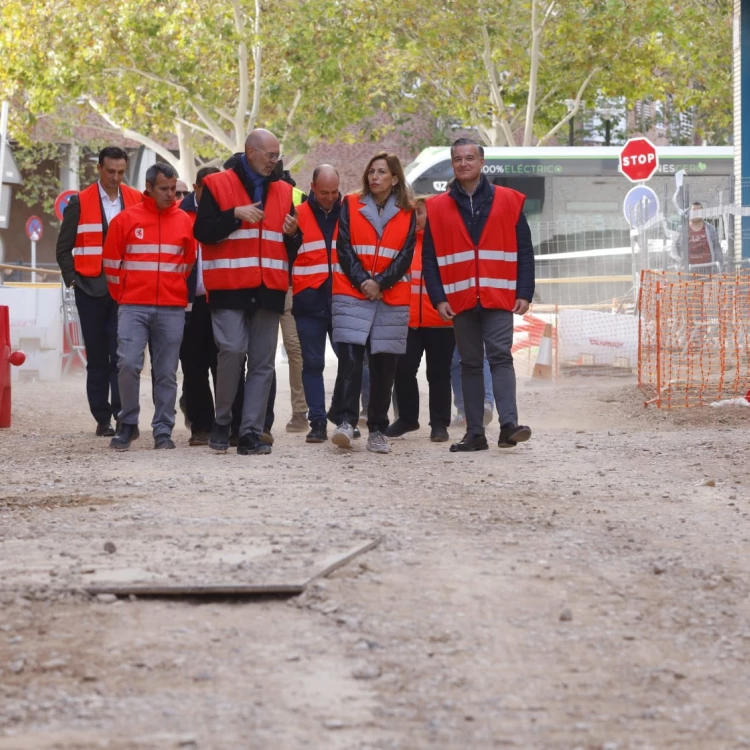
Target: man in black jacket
(482,326)
(246,318)
(311,304)
(84,229)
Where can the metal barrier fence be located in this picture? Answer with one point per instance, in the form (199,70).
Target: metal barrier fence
(693,337)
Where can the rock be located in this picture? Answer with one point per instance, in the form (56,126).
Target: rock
(16,667)
(566,615)
(708,483)
(366,672)
(293,657)
(106,598)
(203,677)
(53,664)
(659,568)
(333,724)
(110,547)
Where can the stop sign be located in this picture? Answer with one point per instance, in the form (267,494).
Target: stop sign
(638,159)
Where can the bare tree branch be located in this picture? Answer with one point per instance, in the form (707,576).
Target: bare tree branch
(574,109)
(134,135)
(496,96)
(242,59)
(536,35)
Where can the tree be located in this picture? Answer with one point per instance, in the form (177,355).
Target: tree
(518,72)
(189,78)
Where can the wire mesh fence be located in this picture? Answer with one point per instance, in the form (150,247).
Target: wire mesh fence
(694,337)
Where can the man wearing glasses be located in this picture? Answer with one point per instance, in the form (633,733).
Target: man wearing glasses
(249,236)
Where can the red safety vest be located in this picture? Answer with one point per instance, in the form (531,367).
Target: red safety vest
(87,253)
(421,312)
(312,267)
(253,255)
(485,273)
(148,255)
(374,253)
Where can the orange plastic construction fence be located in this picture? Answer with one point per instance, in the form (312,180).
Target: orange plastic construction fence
(693,338)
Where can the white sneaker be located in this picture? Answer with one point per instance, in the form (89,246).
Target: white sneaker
(487,413)
(343,435)
(377,442)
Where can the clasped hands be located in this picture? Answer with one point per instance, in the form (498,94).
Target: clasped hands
(371,290)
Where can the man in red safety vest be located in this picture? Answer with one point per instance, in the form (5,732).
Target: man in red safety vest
(79,255)
(249,237)
(148,256)
(478,266)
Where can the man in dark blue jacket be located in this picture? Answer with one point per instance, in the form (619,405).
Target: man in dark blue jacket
(481,328)
(312,284)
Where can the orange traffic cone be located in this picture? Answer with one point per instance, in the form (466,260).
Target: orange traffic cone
(543,366)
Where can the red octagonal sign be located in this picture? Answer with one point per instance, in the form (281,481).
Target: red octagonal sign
(639,160)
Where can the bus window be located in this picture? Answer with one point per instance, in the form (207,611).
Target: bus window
(531,187)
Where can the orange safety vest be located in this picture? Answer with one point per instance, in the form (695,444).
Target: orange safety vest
(148,255)
(312,267)
(485,273)
(374,253)
(421,312)
(253,255)
(87,253)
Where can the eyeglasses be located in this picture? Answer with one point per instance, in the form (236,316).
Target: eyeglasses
(272,157)
(180,193)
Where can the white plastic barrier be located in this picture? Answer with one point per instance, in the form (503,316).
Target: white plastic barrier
(598,338)
(35,329)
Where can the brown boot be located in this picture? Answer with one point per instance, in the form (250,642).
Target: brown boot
(298,422)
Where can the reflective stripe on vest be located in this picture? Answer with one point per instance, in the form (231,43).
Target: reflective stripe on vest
(375,254)
(311,266)
(89,245)
(253,255)
(485,273)
(421,312)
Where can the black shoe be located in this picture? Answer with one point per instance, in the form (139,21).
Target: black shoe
(470,443)
(399,428)
(234,438)
(219,440)
(252,445)
(512,434)
(356,434)
(125,435)
(162,442)
(105,429)
(439,435)
(318,433)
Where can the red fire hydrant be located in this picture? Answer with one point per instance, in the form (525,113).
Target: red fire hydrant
(7,358)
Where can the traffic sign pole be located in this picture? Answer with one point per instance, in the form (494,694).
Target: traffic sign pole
(3,139)
(33,259)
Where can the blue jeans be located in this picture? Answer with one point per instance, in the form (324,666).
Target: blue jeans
(313,331)
(458,395)
(162,328)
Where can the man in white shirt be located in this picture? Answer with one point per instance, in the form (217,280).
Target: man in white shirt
(79,255)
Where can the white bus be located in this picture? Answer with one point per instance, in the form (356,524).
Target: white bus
(574,204)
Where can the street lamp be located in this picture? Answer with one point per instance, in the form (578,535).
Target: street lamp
(606,115)
(571,105)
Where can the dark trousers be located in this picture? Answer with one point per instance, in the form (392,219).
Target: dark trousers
(198,359)
(98,316)
(313,330)
(437,344)
(477,331)
(346,393)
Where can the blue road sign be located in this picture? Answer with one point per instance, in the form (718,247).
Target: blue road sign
(61,202)
(34,228)
(640,206)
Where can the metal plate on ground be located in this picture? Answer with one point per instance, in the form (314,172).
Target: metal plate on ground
(215,563)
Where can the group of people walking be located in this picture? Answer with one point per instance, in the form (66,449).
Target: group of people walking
(388,278)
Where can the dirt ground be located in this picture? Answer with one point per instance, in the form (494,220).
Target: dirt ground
(587,590)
